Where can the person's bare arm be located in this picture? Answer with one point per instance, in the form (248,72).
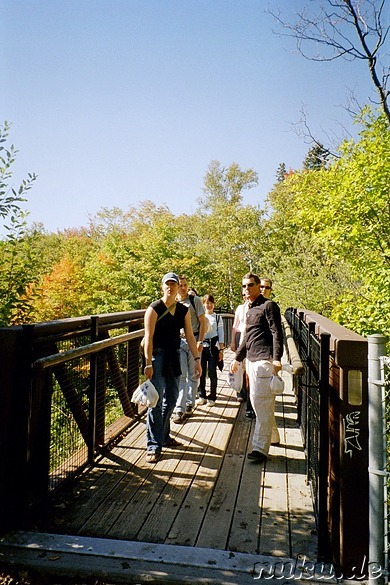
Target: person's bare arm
(150,325)
(202,330)
(192,343)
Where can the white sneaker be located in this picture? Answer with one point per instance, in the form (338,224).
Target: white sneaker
(201,401)
(210,402)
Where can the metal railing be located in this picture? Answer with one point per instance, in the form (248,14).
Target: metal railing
(89,398)
(311,389)
(332,398)
(70,384)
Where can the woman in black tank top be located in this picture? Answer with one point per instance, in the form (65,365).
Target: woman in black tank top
(163,321)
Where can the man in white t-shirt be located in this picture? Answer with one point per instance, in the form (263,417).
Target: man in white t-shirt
(237,332)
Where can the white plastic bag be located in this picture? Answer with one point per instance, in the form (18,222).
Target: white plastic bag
(146,394)
(235,380)
(277,385)
(287,368)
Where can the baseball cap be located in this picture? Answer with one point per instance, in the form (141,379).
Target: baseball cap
(170,276)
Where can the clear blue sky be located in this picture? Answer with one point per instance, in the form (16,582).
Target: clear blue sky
(113,102)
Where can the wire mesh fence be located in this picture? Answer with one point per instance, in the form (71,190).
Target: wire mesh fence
(89,395)
(83,381)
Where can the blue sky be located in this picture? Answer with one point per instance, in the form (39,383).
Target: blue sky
(113,102)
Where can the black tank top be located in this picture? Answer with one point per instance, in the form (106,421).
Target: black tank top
(167,331)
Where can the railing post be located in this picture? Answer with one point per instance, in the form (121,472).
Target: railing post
(299,324)
(377,455)
(15,384)
(309,419)
(323,456)
(39,442)
(133,368)
(92,392)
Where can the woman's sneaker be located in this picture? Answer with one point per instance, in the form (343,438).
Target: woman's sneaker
(178,418)
(201,401)
(210,402)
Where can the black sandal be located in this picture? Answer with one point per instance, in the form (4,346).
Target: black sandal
(171,442)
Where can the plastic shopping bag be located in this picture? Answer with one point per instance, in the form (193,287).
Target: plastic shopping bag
(277,385)
(235,380)
(146,394)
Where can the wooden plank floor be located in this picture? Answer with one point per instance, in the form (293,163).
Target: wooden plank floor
(202,494)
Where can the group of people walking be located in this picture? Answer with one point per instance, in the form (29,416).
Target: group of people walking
(184,339)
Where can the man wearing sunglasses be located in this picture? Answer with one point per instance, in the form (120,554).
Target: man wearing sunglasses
(262,347)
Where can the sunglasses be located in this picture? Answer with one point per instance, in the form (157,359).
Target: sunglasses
(249,285)
(266,287)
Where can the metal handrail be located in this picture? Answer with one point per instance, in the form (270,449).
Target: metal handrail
(90,348)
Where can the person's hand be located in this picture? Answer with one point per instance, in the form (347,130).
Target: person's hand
(198,368)
(199,345)
(148,371)
(277,367)
(234,366)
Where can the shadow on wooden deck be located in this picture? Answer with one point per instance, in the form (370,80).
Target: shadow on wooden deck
(203,514)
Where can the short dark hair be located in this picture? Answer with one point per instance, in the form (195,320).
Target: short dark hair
(251,275)
(208,298)
(267,279)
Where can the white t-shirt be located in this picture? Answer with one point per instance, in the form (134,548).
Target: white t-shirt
(240,318)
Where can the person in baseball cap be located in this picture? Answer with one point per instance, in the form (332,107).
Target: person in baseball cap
(170,276)
(164,320)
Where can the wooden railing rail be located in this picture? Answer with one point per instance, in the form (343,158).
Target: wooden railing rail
(89,349)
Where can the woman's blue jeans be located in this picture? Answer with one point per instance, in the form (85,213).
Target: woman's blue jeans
(158,418)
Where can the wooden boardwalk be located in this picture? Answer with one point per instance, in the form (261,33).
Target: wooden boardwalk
(205,494)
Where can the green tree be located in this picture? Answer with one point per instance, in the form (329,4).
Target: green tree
(316,158)
(281,173)
(228,231)
(134,249)
(226,184)
(341,214)
(17,258)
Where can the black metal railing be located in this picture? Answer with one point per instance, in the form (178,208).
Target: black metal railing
(332,399)
(314,354)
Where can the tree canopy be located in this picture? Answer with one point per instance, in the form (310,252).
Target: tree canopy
(323,236)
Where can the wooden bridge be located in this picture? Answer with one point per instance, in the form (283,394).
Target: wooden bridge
(204,513)
(204,494)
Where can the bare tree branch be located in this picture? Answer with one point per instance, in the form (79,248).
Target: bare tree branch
(350,29)
(302,128)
